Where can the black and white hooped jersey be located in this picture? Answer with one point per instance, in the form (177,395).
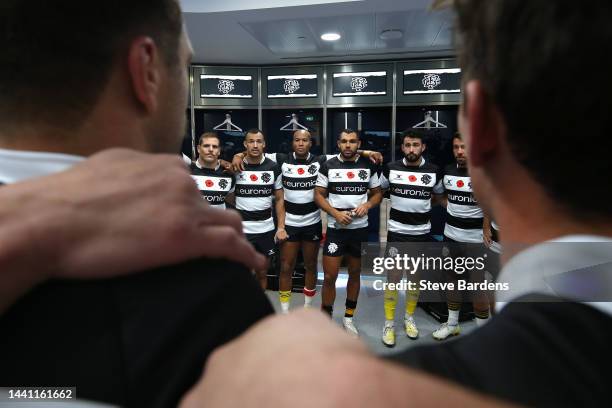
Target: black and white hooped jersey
(347,184)
(214,184)
(299,180)
(410,189)
(463,215)
(254,195)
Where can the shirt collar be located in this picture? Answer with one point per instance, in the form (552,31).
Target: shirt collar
(18,165)
(263,158)
(296,159)
(407,165)
(342,160)
(199,165)
(547,268)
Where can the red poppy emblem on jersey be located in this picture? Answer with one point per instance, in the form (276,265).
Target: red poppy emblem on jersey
(412,178)
(300,171)
(209,183)
(350,175)
(253,177)
(460,183)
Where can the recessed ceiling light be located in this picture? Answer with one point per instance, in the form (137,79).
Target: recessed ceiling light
(391,34)
(330,37)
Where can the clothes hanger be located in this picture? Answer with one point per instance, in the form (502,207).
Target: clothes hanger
(429,120)
(228,124)
(295,125)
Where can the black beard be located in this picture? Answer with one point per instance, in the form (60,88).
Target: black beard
(411,157)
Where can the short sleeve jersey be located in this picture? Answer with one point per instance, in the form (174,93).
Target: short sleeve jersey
(347,184)
(254,195)
(214,184)
(463,215)
(410,190)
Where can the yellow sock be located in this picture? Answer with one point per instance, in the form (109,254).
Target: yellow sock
(390,303)
(284,296)
(412,298)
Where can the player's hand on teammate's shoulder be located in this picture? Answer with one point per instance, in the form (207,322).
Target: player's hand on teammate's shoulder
(271,344)
(238,162)
(376,157)
(125,224)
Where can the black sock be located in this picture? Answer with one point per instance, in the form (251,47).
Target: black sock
(327,309)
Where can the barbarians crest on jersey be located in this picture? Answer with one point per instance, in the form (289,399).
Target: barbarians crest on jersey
(393,252)
(430,81)
(358,84)
(470,184)
(332,248)
(291,85)
(223,183)
(266,177)
(312,169)
(363,174)
(225,86)
(426,179)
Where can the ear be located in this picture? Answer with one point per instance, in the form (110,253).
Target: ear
(244,143)
(144,66)
(481,122)
(424,147)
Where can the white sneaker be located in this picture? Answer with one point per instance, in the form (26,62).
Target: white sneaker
(446,331)
(349,326)
(388,337)
(284,308)
(411,329)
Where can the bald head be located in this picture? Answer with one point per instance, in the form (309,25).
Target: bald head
(302,143)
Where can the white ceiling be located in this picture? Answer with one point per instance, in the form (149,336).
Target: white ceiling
(246,32)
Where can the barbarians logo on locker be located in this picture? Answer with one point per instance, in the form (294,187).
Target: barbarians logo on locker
(266,177)
(223,183)
(226,86)
(359,84)
(431,81)
(291,85)
(428,81)
(312,169)
(426,179)
(363,175)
